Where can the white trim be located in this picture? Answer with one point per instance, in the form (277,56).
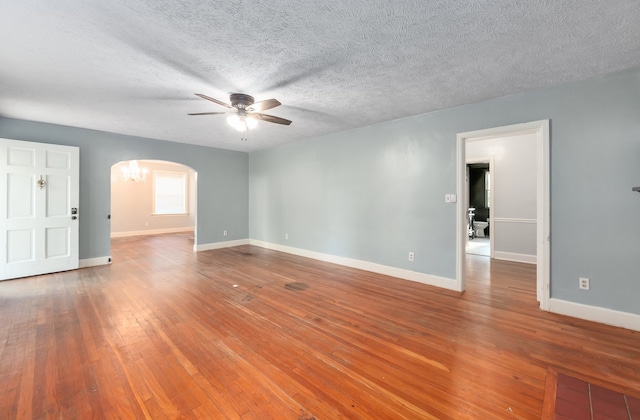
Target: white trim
(431,280)
(543,227)
(512,256)
(461,213)
(512,220)
(220,245)
(150,232)
(92,262)
(595,314)
(541,130)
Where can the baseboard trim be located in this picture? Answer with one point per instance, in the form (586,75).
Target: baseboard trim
(595,313)
(401,273)
(512,256)
(150,232)
(220,245)
(93,262)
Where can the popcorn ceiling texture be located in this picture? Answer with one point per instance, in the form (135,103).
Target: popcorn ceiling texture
(132,67)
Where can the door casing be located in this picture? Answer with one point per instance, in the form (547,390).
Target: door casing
(541,130)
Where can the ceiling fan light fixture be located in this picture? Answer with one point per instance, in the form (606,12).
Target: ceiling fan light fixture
(233,120)
(242,122)
(250,122)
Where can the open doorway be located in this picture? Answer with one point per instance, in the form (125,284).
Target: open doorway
(151,197)
(538,131)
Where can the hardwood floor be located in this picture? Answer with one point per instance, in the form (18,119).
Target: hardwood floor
(251,333)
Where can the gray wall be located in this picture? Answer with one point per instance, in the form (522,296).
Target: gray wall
(222,179)
(376,193)
(369,194)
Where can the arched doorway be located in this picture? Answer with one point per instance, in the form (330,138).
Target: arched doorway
(151,197)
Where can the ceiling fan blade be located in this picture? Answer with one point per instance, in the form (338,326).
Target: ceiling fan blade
(264,105)
(270,118)
(212,113)
(209,98)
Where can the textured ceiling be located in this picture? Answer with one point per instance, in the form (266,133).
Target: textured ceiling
(132,66)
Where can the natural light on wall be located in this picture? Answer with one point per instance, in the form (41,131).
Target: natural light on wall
(170,192)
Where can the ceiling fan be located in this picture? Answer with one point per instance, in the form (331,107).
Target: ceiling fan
(244,112)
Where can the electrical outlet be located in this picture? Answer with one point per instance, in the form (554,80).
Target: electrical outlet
(224,233)
(584,283)
(411,256)
(286,236)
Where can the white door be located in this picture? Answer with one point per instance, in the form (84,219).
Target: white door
(39,214)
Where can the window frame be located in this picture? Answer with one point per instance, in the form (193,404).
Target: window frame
(185,192)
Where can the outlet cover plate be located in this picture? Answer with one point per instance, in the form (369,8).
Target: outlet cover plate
(584,283)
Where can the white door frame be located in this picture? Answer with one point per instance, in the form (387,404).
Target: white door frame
(541,130)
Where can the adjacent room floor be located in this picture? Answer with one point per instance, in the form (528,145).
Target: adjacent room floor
(247,332)
(479,246)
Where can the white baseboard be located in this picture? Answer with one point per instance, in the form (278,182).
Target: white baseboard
(220,245)
(150,232)
(595,313)
(512,256)
(92,262)
(437,281)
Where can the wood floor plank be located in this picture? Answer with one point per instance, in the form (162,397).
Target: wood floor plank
(247,332)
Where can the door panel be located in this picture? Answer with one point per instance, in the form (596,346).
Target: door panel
(20,200)
(58,160)
(40,184)
(18,156)
(58,196)
(20,245)
(57,242)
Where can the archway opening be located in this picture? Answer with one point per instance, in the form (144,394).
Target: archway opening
(153,197)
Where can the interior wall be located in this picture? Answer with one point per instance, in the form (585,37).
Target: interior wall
(132,202)
(222,197)
(376,193)
(514,193)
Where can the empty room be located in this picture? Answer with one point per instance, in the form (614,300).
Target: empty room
(320,210)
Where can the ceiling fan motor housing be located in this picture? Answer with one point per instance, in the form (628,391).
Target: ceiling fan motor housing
(241,100)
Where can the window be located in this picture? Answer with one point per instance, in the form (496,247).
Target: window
(170,192)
